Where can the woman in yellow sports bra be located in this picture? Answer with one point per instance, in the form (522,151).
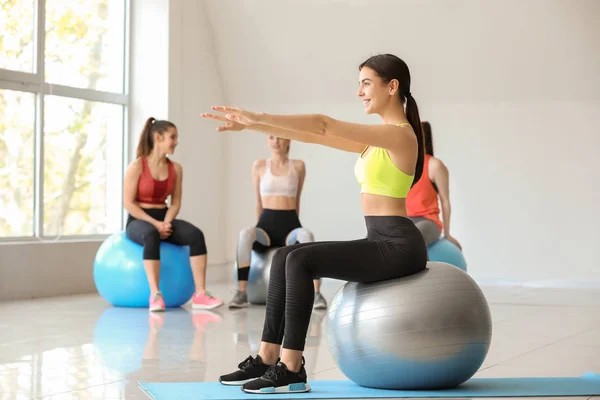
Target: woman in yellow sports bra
(390,161)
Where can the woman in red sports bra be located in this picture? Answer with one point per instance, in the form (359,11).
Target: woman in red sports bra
(422,204)
(149,181)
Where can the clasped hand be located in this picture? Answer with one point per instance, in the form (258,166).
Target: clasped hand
(164,229)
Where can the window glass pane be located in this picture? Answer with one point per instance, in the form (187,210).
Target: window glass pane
(16,35)
(16,163)
(85,42)
(82,167)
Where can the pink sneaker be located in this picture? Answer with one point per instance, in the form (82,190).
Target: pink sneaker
(201,318)
(205,301)
(157,303)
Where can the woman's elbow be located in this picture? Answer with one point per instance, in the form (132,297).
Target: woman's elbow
(324,125)
(128,205)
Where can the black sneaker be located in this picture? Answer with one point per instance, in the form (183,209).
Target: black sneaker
(249,369)
(279,379)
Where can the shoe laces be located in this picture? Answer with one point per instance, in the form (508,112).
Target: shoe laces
(248,362)
(276,371)
(239,296)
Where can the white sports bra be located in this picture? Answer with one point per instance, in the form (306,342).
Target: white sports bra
(275,185)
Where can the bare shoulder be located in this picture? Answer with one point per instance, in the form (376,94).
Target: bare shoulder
(408,136)
(135,167)
(407,143)
(299,165)
(259,165)
(178,167)
(435,164)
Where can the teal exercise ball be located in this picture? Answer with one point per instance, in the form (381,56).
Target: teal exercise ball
(444,250)
(121,280)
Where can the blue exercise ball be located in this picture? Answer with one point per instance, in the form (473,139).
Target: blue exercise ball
(427,331)
(121,280)
(444,250)
(121,336)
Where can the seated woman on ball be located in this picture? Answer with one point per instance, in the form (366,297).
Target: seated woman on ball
(278,185)
(149,181)
(422,201)
(390,159)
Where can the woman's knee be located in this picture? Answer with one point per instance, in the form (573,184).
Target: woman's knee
(198,246)
(151,243)
(247,237)
(300,235)
(298,258)
(305,236)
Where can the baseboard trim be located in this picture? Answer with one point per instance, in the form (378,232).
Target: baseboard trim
(540,284)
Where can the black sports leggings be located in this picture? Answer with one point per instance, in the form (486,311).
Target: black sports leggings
(394,248)
(145,234)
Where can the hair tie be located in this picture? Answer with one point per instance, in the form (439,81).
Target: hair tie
(408,95)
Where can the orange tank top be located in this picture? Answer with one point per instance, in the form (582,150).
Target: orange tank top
(153,191)
(422,199)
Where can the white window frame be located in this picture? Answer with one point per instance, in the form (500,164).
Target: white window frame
(34,83)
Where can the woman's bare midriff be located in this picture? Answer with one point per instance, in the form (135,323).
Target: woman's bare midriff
(147,205)
(376,205)
(279,202)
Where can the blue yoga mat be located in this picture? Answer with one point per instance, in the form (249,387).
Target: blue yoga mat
(586,385)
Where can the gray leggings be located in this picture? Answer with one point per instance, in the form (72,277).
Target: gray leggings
(429,229)
(252,233)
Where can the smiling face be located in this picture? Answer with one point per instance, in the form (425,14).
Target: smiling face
(374,92)
(279,146)
(167,141)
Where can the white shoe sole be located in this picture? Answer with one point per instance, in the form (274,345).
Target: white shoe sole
(238,383)
(296,388)
(204,307)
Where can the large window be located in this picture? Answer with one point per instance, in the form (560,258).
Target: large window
(63,108)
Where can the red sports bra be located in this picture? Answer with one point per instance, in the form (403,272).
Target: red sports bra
(152,191)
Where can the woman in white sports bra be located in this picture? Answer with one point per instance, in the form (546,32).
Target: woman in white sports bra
(278,185)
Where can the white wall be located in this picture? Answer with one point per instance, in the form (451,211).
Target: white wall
(194,85)
(149,66)
(512,91)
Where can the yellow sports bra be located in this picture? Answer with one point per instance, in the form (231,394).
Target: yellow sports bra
(377,174)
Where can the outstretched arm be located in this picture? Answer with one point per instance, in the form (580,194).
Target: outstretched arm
(386,136)
(306,137)
(383,136)
(300,136)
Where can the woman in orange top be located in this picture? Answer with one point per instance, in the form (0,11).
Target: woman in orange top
(422,202)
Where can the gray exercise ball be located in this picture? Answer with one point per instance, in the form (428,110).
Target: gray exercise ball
(430,330)
(258,277)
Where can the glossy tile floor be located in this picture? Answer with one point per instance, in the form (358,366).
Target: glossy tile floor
(81,348)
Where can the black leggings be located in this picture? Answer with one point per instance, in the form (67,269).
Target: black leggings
(145,234)
(394,248)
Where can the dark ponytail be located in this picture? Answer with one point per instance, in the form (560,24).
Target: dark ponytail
(146,143)
(427,138)
(412,114)
(389,67)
